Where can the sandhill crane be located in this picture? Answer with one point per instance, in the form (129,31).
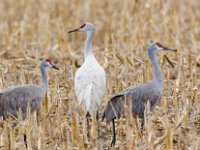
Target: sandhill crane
(22,96)
(90,78)
(139,95)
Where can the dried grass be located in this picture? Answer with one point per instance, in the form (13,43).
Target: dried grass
(31,30)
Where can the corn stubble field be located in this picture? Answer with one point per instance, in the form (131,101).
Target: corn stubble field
(30,30)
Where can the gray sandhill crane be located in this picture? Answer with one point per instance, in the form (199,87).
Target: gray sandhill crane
(138,95)
(22,96)
(90,78)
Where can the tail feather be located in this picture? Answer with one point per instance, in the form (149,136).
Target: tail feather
(114,109)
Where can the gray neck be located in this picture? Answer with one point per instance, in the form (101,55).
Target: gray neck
(44,78)
(156,67)
(88,44)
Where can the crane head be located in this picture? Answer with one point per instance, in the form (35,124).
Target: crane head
(47,63)
(85,27)
(155,46)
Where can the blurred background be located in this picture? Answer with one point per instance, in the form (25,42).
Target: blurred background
(34,29)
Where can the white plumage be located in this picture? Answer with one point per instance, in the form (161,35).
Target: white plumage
(90,78)
(90,81)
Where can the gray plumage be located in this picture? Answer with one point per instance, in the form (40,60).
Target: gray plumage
(138,96)
(21,96)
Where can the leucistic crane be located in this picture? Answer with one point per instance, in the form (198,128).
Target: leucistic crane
(21,96)
(90,78)
(138,96)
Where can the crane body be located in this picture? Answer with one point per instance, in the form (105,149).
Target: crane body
(21,96)
(138,96)
(90,78)
(88,87)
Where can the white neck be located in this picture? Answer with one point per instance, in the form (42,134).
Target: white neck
(88,44)
(44,78)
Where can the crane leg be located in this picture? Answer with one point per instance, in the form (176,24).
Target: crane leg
(25,141)
(97,118)
(142,125)
(142,128)
(114,134)
(88,124)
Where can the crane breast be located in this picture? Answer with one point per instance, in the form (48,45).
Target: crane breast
(146,93)
(90,85)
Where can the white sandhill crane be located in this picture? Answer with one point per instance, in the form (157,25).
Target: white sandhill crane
(139,95)
(90,78)
(20,96)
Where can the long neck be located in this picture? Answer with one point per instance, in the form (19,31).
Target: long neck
(156,67)
(44,78)
(88,44)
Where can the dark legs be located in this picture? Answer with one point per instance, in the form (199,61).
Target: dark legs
(142,125)
(114,134)
(25,141)
(97,118)
(88,117)
(88,124)
(113,142)
(97,115)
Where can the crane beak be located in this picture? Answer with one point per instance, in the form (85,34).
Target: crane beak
(169,49)
(54,67)
(75,30)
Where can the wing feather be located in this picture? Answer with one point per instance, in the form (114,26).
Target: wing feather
(19,97)
(138,96)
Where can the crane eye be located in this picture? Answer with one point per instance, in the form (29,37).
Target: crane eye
(82,26)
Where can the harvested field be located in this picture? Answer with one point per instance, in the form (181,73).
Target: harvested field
(34,29)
